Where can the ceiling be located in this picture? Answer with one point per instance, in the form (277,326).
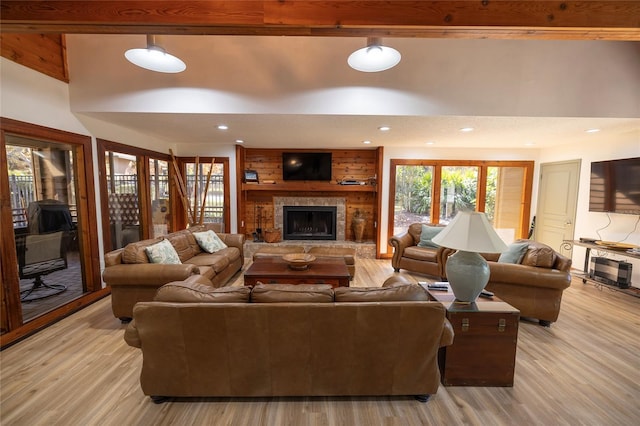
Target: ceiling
(298,92)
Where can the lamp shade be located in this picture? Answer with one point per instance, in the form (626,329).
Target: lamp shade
(468,273)
(374,57)
(155,58)
(470,231)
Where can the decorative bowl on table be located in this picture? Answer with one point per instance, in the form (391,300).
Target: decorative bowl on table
(299,261)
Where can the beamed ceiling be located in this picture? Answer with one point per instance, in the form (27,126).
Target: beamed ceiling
(520,72)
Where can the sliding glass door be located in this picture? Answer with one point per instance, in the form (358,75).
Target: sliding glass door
(47,255)
(136,194)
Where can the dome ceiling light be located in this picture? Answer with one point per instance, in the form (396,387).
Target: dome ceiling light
(155,58)
(375,57)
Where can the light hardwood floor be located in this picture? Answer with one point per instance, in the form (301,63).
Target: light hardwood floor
(583,370)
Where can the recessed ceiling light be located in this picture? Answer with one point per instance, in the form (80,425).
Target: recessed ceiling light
(529,143)
(467,129)
(384,128)
(366,142)
(430,143)
(239,141)
(222,127)
(592,130)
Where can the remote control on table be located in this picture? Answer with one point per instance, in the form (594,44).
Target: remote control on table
(486,293)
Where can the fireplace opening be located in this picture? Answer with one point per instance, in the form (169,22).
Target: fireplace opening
(309,222)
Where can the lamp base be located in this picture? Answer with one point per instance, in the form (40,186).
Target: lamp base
(468,274)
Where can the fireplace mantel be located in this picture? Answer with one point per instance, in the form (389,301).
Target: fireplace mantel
(307,186)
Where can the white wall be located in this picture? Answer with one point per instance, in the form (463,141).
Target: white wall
(32,97)
(608,227)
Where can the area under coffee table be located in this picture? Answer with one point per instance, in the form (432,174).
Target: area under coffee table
(272,270)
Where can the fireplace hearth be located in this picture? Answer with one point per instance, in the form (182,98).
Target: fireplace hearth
(309,222)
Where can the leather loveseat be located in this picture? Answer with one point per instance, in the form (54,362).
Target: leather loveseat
(411,257)
(534,284)
(289,340)
(133,278)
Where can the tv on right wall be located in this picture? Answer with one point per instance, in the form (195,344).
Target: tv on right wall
(615,186)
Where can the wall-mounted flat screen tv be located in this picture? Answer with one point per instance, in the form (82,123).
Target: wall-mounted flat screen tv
(615,186)
(306,166)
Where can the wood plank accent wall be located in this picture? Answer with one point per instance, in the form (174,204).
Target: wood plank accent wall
(45,53)
(353,164)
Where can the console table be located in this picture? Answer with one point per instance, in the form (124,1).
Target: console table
(568,245)
(483,352)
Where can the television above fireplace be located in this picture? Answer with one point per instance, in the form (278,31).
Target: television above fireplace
(306,166)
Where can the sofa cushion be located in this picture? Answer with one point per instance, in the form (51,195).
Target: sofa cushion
(135,252)
(427,254)
(395,293)
(217,261)
(542,257)
(180,291)
(514,254)
(180,242)
(209,241)
(428,232)
(162,252)
(295,293)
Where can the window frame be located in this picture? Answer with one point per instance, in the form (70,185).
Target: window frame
(482,165)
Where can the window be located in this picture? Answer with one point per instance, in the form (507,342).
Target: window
(213,206)
(501,189)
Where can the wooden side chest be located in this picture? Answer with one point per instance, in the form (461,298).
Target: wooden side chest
(484,347)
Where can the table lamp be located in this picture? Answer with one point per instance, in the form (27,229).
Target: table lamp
(468,272)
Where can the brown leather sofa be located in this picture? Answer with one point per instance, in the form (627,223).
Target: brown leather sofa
(424,260)
(133,279)
(534,285)
(289,340)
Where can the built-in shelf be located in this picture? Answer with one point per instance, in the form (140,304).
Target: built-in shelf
(307,186)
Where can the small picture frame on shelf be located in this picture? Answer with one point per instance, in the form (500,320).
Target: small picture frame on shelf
(250,176)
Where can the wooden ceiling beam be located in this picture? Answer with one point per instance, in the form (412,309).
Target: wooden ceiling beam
(587,19)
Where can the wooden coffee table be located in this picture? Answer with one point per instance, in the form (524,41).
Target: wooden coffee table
(274,270)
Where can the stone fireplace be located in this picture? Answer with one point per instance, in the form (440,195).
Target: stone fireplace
(310,215)
(309,223)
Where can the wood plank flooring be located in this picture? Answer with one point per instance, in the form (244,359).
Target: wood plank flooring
(583,370)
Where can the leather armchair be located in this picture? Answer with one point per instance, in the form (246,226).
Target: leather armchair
(535,285)
(425,260)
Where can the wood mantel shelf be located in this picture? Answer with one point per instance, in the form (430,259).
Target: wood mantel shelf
(308,186)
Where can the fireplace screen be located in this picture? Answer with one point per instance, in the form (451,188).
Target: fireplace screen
(309,222)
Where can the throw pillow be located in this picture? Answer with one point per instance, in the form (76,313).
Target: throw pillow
(542,257)
(428,232)
(162,252)
(514,254)
(209,241)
